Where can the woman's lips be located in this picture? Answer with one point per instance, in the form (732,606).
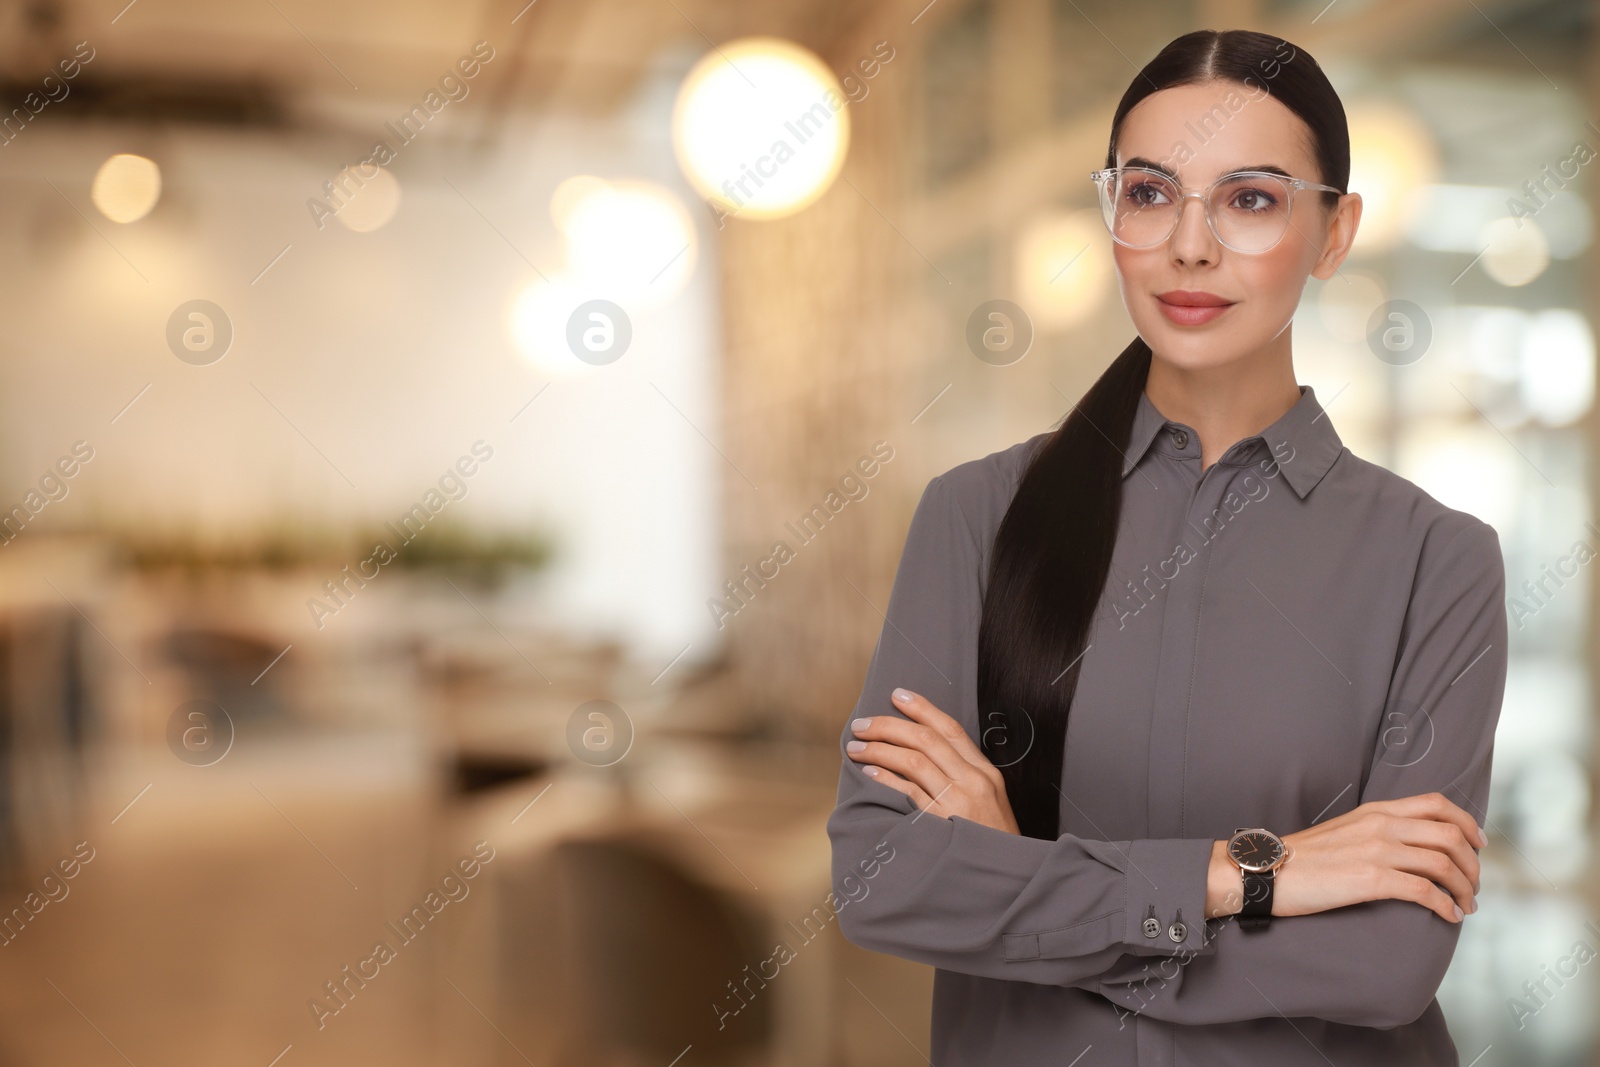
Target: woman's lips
(1185,315)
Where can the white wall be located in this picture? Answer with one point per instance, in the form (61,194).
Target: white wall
(390,351)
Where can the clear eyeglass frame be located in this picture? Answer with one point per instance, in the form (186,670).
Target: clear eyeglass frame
(1107,210)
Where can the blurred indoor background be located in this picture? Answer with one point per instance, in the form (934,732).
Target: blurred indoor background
(402,405)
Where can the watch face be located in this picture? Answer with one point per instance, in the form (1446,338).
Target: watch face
(1254,850)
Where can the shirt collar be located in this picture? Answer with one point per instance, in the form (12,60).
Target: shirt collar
(1313,444)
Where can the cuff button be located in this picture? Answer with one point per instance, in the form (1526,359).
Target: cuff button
(1177,931)
(1152,925)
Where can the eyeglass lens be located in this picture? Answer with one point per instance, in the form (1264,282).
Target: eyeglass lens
(1248,212)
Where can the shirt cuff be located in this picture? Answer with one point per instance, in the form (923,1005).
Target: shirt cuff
(1166,881)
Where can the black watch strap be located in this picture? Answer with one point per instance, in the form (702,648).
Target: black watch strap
(1256,914)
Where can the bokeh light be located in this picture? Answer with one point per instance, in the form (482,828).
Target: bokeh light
(1063,268)
(126,187)
(631,241)
(1392,158)
(760,127)
(371,206)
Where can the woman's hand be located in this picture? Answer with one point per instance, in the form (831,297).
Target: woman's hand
(1384,849)
(933,761)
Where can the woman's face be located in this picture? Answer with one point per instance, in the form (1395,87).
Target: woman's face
(1202,132)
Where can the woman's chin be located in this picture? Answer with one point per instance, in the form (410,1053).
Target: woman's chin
(1190,353)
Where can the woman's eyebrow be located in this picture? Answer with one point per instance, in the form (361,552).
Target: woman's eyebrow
(1150,164)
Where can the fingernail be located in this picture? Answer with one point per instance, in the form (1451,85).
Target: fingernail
(860,724)
(902,696)
(1483,838)
(870,771)
(855,746)
(1457,907)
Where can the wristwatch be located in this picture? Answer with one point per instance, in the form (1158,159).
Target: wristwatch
(1258,853)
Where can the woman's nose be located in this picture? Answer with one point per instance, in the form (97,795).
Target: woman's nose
(1192,239)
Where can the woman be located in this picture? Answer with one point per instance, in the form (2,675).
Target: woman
(1250,626)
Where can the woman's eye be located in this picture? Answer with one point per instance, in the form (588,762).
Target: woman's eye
(1253,200)
(1144,193)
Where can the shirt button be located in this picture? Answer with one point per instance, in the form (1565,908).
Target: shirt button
(1180,438)
(1177,931)
(1152,927)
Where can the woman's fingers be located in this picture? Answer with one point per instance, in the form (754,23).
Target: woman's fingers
(899,746)
(1401,885)
(923,710)
(902,757)
(1441,870)
(1440,808)
(919,748)
(1426,851)
(918,795)
(1448,839)
(1434,821)
(929,756)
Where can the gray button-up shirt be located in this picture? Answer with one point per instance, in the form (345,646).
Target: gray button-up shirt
(1282,637)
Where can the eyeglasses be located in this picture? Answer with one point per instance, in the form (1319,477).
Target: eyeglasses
(1248,211)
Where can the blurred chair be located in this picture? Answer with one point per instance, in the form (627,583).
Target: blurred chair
(219,664)
(45,712)
(612,955)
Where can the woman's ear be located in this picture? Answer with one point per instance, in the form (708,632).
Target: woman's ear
(1341,235)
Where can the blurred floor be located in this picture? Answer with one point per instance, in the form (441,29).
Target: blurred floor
(217,905)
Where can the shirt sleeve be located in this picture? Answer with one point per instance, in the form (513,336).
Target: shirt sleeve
(956,894)
(1378,963)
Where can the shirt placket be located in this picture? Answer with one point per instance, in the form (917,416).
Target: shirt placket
(1181,617)
(1181,609)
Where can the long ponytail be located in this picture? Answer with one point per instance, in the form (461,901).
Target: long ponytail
(1050,560)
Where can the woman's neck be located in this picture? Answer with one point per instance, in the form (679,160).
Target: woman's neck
(1224,404)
